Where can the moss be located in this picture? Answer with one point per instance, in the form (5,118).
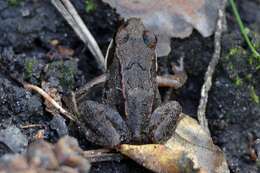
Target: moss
(258,67)
(29,63)
(254,96)
(239,52)
(258,163)
(67,77)
(64,72)
(241,67)
(230,67)
(14,2)
(249,77)
(233,52)
(238,81)
(90,6)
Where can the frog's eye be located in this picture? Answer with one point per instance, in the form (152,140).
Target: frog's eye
(122,36)
(149,39)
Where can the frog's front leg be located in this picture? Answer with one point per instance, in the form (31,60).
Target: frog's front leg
(163,121)
(102,124)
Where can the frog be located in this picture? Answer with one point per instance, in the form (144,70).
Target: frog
(131,110)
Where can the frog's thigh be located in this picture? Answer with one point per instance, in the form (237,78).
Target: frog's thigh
(104,125)
(163,121)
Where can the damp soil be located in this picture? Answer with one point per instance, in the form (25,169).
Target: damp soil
(29,32)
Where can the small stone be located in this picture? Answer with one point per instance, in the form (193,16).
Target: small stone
(13,138)
(40,154)
(25,12)
(58,124)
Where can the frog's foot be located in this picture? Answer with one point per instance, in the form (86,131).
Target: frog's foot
(163,121)
(102,124)
(174,81)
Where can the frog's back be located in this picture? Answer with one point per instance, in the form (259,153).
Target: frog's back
(138,75)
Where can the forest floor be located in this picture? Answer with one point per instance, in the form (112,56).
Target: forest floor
(29,28)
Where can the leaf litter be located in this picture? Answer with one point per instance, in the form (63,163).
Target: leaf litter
(171,18)
(190,149)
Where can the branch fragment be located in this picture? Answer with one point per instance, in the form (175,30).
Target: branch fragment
(201,113)
(102,155)
(68,11)
(51,100)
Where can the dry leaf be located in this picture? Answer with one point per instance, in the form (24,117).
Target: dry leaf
(190,149)
(54,42)
(65,51)
(159,158)
(39,135)
(171,18)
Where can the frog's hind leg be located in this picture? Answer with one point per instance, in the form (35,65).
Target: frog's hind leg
(102,125)
(163,121)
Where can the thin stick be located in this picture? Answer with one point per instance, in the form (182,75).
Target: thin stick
(38,90)
(102,78)
(211,68)
(70,14)
(49,99)
(102,155)
(108,51)
(98,80)
(31,126)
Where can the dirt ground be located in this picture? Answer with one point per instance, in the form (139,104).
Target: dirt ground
(28,28)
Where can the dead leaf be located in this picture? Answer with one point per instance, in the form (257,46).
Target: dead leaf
(190,149)
(171,18)
(65,51)
(159,158)
(39,135)
(54,42)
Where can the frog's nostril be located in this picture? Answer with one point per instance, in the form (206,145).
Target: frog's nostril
(149,39)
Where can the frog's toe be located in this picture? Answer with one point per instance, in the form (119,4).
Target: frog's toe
(109,139)
(102,124)
(163,121)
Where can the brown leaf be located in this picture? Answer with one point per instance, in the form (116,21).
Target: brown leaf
(39,135)
(171,18)
(159,158)
(65,51)
(190,149)
(54,42)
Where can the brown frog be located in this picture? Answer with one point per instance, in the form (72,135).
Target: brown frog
(131,111)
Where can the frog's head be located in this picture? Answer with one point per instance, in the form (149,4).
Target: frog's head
(134,30)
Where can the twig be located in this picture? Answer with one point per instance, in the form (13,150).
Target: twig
(74,103)
(48,98)
(27,86)
(70,14)
(31,126)
(211,68)
(102,155)
(84,90)
(108,51)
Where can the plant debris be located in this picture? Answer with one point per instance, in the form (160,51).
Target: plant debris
(41,156)
(58,124)
(190,149)
(171,18)
(13,138)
